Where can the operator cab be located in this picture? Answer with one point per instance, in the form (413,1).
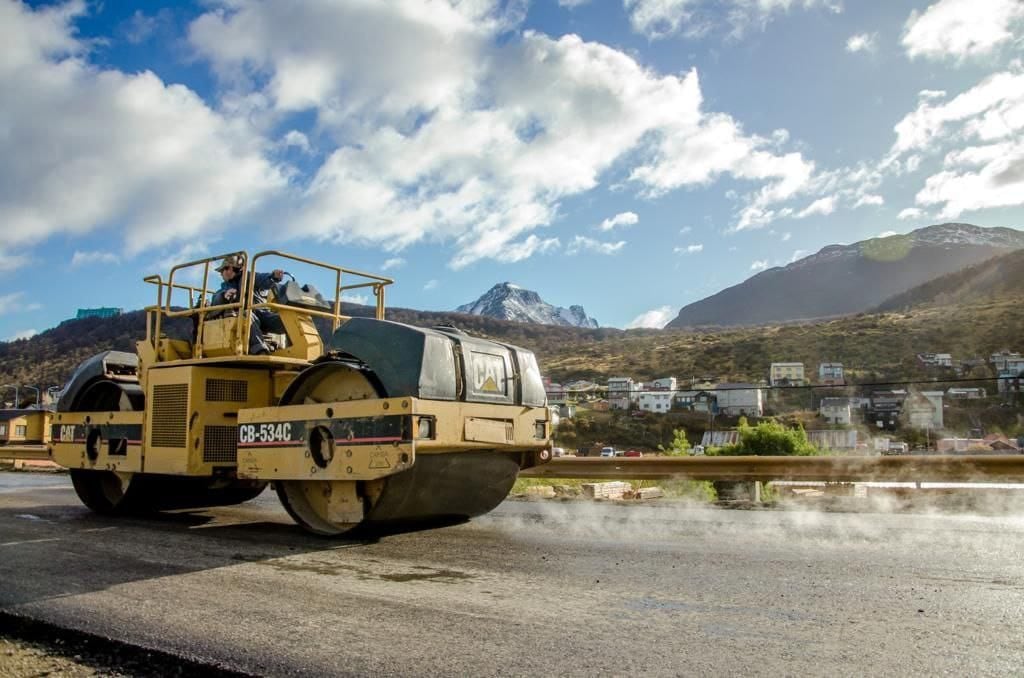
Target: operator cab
(220,330)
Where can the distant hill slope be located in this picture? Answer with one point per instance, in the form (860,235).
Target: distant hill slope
(507,301)
(844,279)
(995,278)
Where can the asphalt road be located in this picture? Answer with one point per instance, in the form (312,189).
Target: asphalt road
(540,588)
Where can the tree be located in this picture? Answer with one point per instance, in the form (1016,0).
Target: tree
(770,438)
(680,446)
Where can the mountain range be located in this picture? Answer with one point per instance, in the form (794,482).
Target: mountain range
(844,279)
(507,301)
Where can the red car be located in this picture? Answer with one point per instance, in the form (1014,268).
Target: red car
(633,453)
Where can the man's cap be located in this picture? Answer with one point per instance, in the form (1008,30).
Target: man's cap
(235,261)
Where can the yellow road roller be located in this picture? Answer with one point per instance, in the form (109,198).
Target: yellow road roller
(354,420)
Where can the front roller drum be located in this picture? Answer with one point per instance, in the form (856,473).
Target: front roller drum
(438,487)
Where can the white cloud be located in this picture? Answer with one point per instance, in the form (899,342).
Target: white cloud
(23,334)
(869,199)
(862,42)
(11,262)
(430,285)
(961,28)
(689,249)
(84,146)
(886,234)
(695,18)
(394,262)
(908,213)
(826,205)
(474,144)
(351,298)
(12,303)
(685,229)
(296,139)
(572,3)
(82,258)
(980,132)
(655,318)
(759,265)
(584,244)
(621,219)
(797,254)
(786,236)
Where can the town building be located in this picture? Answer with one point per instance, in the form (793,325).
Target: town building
(620,391)
(924,410)
(831,374)
(740,399)
(104,312)
(787,374)
(656,401)
(885,408)
(935,359)
(958,393)
(556,393)
(663,384)
(836,410)
(1005,361)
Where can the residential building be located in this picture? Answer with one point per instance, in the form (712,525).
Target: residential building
(924,410)
(106,312)
(935,359)
(740,399)
(18,426)
(836,410)
(656,401)
(556,393)
(1005,361)
(620,391)
(697,401)
(663,384)
(885,408)
(955,393)
(567,411)
(831,374)
(786,374)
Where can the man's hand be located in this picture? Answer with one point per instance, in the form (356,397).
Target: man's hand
(230,294)
(277,274)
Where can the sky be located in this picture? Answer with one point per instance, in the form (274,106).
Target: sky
(631,156)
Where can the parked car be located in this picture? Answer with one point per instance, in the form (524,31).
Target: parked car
(607,451)
(633,453)
(557,452)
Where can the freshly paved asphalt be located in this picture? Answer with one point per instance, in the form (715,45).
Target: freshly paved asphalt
(541,588)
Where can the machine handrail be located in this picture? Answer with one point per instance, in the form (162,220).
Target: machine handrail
(247,291)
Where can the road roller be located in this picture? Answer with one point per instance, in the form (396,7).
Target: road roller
(354,421)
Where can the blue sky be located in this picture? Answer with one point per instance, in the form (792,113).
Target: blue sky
(631,156)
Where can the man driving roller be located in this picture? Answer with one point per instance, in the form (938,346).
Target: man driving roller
(263,320)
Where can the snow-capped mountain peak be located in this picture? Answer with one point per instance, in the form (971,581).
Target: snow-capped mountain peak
(509,301)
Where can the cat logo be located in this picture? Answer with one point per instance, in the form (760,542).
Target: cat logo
(488,373)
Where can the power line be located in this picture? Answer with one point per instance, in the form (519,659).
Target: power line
(751,387)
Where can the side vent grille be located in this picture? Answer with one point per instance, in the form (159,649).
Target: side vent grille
(220,444)
(227,391)
(170,415)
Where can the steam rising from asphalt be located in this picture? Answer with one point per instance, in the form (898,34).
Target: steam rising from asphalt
(878,520)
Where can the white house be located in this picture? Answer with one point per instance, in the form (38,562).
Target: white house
(831,374)
(925,410)
(787,373)
(656,401)
(620,391)
(958,393)
(935,359)
(740,399)
(836,410)
(1005,361)
(663,384)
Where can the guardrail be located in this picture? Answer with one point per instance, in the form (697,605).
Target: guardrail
(923,468)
